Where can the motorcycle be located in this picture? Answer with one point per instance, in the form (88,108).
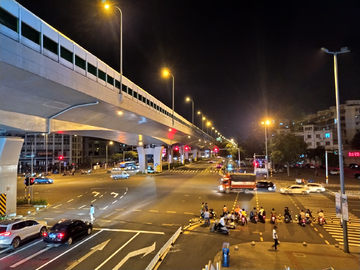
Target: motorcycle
(308,220)
(254,219)
(321,221)
(287,219)
(242,221)
(219,229)
(273,219)
(302,222)
(262,218)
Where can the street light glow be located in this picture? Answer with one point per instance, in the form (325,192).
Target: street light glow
(165,72)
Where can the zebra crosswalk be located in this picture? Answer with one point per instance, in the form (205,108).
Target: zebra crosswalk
(194,171)
(333,226)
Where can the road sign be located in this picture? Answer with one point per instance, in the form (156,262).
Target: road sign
(344,208)
(338,204)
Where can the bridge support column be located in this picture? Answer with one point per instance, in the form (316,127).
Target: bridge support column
(195,154)
(181,152)
(10,148)
(170,153)
(187,155)
(142,158)
(158,158)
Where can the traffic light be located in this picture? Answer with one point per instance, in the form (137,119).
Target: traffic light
(61,157)
(187,148)
(335,152)
(32,179)
(176,148)
(216,149)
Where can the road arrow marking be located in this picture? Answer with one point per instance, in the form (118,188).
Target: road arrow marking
(134,253)
(96,193)
(93,250)
(114,193)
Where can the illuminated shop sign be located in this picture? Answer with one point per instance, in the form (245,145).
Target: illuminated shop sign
(354,154)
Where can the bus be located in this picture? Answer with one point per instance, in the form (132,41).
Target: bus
(128,165)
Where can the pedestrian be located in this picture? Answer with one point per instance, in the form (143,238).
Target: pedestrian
(92,212)
(206,207)
(225,211)
(206,218)
(275,237)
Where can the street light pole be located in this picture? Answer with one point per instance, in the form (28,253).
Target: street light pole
(267,122)
(121,45)
(338,125)
(192,111)
(167,73)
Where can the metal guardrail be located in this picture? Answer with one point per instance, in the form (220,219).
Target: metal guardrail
(163,251)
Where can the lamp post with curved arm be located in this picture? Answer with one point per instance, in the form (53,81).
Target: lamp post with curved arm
(192,111)
(338,125)
(166,73)
(121,44)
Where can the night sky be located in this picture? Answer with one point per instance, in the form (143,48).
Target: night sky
(240,61)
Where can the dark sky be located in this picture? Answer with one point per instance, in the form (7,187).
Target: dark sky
(238,60)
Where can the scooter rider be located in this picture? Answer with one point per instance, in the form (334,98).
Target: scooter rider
(287,212)
(243,214)
(261,213)
(321,214)
(301,215)
(253,214)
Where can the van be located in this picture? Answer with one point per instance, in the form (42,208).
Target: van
(115,174)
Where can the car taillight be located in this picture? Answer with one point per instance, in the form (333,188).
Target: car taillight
(45,234)
(61,235)
(5,234)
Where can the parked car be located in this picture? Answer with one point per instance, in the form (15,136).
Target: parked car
(265,185)
(119,174)
(13,232)
(295,189)
(43,180)
(357,175)
(210,161)
(313,187)
(65,231)
(218,166)
(334,171)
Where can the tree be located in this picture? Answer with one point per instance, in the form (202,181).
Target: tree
(355,143)
(287,148)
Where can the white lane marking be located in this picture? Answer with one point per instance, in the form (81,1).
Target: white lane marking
(104,208)
(124,230)
(21,249)
(188,213)
(134,253)
(93,250)
(172,212)
(101,196)
(49,218)
(4,250)
(121,197)
(30,257)
(82,206)
(62,254)
(57,206)
(79,196)
(112,255)
(114,201)
(154,211)
(93,200)
(70,200)
(137,210)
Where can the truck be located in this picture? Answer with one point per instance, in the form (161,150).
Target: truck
(240,182)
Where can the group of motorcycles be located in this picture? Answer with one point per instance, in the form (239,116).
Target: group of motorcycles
(261,216)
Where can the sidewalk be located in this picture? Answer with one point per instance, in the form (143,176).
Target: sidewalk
(290,256)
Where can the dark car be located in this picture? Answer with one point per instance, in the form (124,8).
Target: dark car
(66,230)
(265,185)
(357,175)
(354,166)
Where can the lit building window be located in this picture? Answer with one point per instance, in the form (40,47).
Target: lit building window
(327,135)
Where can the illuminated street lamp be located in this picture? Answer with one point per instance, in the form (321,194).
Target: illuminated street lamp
(338,125)
(266,123)
(202,120)
(192,111)
(207,127)
(106,159)
(166,73)
(212,128)
(121,43)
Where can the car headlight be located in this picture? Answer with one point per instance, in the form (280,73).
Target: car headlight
(221,188)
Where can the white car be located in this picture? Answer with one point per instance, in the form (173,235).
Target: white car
(295,189)
(334,171)
(315,187)
(119,174)
(13,232)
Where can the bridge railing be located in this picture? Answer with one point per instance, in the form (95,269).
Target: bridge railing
(21,25)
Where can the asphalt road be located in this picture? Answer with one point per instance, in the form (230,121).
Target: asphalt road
(138,215)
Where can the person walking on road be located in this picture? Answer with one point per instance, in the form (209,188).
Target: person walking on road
(275,237)
(92,212)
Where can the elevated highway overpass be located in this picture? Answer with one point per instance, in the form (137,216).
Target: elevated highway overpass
(48,84)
